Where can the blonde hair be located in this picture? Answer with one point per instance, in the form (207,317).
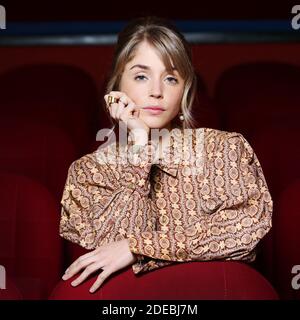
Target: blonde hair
(172,47)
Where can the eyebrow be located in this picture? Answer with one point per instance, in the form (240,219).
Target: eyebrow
(141,66)
(144,67)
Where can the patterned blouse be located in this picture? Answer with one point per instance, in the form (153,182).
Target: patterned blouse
(206,199)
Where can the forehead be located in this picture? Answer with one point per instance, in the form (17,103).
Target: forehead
(148,55)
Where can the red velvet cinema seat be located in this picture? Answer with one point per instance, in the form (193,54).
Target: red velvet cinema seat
(55,94)
(30,247)
(37,150)
(192,280)
(278,152)
(287,243)
(204,108)
(11,291)
(279,155)
(180,281)
(249,96)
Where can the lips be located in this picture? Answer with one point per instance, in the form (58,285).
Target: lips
(154,108)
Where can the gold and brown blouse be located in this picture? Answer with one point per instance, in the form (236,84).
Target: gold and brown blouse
(206,199)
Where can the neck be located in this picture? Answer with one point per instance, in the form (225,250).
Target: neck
(164,140)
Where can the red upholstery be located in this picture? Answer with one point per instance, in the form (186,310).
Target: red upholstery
(36,150)
(287,242)
(57,95)
(249,96)
(11,292)
(278,152)
(195,280)
(30,247)
(215,280)
(204,109)
(279,157)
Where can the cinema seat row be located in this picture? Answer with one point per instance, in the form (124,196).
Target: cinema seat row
(49,116)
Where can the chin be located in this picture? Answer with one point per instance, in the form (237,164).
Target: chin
(157,123)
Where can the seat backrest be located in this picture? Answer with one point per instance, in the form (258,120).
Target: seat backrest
(204,109)
(279,156)
(11,291)
(55,94)
(252,95)
(37,150)
(30,246)
(287,243)
(278,152)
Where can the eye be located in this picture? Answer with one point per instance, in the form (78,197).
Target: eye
(172,80)
(140,78)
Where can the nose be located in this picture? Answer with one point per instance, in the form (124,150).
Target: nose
(156,90)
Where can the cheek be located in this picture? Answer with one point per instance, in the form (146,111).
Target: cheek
(126,87)
(174,99)
(133,91)
(136,94)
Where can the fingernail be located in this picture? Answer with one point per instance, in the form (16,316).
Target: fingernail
(67,270)
(74,283)
(64,277)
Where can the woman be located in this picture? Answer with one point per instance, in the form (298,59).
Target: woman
(197,194)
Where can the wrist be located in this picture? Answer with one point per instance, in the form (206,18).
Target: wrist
(139,137)
(137,147)
(140,142)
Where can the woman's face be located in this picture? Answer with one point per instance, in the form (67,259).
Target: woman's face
(147,83)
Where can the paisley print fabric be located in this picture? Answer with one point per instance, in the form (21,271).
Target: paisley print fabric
(205,199)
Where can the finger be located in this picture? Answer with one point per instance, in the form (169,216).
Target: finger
(113,108)
(100,279)
(90,254)
(115,94)
(117,108)
(125,99)
(112,94)
(106,100)
(121,107)
(88,271)
(83,257)
(78,265)
(122,104)
(129,112)
(121,96)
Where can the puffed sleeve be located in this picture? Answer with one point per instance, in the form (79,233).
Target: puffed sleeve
(231,230)
(100,196)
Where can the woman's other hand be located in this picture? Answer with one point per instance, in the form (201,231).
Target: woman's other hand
(110,258)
